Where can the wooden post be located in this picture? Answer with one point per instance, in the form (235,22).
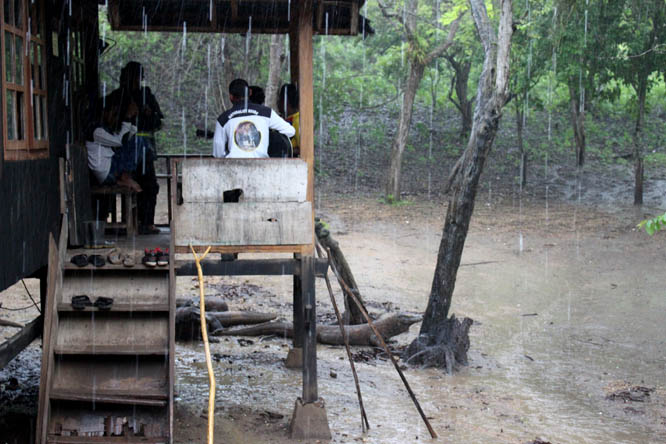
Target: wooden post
(306,101)
(173,199)
(309,330)
(293,46)
(298,307)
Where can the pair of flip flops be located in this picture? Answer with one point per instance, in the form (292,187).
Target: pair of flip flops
(116,257)
(82,301)
(81,260)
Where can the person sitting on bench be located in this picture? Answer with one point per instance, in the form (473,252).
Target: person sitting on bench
(243,130)
(111,149)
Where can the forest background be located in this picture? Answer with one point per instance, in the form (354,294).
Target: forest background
(588,93)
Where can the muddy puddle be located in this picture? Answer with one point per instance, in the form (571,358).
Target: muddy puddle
(568,304)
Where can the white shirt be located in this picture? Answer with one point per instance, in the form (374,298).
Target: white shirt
(242,132)
(100,150)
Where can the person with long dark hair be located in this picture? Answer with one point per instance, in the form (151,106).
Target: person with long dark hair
(148,120)
(111,147)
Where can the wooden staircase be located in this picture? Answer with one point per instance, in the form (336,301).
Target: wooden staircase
(107,376)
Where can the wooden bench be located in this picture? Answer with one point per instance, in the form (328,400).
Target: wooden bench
(129,218)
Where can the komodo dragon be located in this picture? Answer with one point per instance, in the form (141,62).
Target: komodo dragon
(361,334)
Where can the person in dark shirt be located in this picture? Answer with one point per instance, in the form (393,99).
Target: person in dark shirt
(279,145)
(148,120)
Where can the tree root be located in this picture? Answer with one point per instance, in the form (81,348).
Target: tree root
(446,349)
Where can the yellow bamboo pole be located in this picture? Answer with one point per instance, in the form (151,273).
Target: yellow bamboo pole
(204,335)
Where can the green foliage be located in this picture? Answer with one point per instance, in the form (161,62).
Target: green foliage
(653,225)
(358,101)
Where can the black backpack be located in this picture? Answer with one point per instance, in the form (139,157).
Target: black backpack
(279,145)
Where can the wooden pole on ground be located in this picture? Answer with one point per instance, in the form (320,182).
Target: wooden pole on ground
(380,338)
(364,418)
(204,335)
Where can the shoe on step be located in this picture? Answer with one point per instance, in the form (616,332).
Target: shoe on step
(149,258)
(162,257)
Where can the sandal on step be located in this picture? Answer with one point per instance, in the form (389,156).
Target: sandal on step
(96,260)
(115,257)
(128,261)
(103,303)
(80,260)
(80,302)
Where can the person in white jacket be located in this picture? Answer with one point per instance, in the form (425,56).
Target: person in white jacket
(242,131)
(112,152)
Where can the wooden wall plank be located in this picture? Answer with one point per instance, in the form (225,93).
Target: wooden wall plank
(281,180)
(182,249)
(244,223)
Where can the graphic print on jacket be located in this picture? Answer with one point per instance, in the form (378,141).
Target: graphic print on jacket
(242,131)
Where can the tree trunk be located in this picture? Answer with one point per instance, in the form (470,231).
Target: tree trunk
(521,147)
(491,97)
(578,123)
(641,93)
(414,76)
(459,83)
(274,70)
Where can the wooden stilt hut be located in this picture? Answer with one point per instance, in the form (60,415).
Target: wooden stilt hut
(92,381)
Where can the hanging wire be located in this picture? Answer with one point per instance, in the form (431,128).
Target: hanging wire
(34,303)
(30,296)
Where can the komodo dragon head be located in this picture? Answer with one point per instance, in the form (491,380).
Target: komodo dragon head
(409,318)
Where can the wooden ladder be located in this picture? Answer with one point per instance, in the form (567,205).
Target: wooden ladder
(107,376)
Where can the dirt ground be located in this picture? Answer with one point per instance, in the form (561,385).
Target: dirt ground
(567,301)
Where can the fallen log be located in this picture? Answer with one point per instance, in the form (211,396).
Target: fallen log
(188,322)
(361,334)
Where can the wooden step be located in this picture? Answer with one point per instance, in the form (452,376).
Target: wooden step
(140,268)
(111,350)
(127,308)
(111,375)
(125,287)
(104,439)
(78,418)
(70,395)
(113,331)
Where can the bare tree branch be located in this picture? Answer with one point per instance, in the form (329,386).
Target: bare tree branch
(480,15)
(451,99)
(441,49)
(390,15)
(503,47)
